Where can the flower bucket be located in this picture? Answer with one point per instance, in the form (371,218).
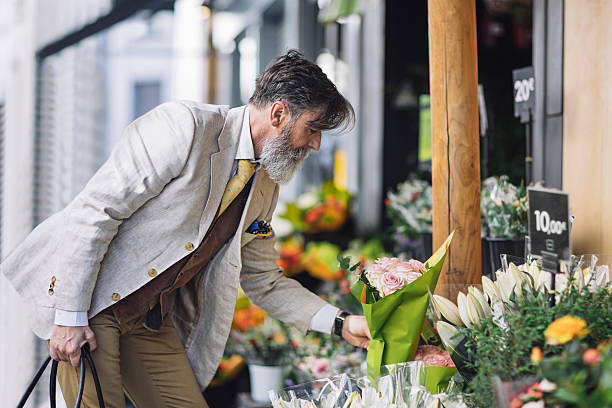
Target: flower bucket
(498,246)
(264,379)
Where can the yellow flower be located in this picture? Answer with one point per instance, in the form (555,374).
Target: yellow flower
(564,329)
(536,354)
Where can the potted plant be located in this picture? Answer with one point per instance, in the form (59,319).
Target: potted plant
(504,211)
(264,343)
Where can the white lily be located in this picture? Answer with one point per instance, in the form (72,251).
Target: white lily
(481,299)
(474,309)
(447,333)
(448,309)
(462,305)
(518,278)
(535,272)
(506,284)
(491,289)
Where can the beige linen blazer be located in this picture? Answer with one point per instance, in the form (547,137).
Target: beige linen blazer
(147,205)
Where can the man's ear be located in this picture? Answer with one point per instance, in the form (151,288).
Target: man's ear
(278,113)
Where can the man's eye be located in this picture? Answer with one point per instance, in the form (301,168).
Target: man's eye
(313,131)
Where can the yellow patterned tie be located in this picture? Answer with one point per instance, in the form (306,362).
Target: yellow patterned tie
(245,170)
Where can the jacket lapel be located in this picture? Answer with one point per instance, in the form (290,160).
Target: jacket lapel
(221,165)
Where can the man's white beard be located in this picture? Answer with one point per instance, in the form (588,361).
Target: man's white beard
(280,159)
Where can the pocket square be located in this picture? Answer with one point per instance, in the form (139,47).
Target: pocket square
(260,228)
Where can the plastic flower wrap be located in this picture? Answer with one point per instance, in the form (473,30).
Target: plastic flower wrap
(331,392)
(410,208)
(401,386)
(504,208)
(395,307)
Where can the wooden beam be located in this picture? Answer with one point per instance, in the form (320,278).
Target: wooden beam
(587,136)
(456,152)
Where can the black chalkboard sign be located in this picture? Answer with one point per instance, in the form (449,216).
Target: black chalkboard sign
(549,224)
(524,90)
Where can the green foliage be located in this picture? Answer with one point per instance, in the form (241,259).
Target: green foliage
(265,344)
(410,208)
(594,307)
(579,384)
(501,345)
(504,208)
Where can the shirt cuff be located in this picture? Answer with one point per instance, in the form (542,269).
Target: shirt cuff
(323,320)
(68,318)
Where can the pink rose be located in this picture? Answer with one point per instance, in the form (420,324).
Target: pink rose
(411,266)
(410,277)
(433,356)
(387,263)
(374,274)
(390,282)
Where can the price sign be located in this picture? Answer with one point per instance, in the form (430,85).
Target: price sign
(524,90)
(549,225)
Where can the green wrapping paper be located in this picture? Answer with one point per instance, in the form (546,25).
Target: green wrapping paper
(438,378)
(396,321)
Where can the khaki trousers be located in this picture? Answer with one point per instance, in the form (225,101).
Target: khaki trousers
(150,368)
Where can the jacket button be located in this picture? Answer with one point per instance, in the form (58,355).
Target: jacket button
(53,279)
(189,246)
(50,292)
(115,296)
(152,272)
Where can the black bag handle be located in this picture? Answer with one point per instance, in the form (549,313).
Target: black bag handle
(85,355)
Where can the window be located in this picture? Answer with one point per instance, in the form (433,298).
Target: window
(147,95)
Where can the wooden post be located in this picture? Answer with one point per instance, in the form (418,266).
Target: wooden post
(456,152)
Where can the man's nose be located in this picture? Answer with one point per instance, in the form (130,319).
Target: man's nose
(315,142)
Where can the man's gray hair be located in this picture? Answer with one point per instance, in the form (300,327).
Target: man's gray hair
(303,87)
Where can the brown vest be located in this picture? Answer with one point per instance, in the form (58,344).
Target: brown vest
(152,299)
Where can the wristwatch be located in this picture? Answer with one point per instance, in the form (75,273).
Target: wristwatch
(339,322)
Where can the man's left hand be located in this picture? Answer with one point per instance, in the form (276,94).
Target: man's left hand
(355,330)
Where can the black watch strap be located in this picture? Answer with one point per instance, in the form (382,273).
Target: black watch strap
(339,323)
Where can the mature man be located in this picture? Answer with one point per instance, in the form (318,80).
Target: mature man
(145,262)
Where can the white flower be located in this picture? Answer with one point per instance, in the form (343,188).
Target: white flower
(448,309)
(447,332)
(491,289)
(547,386)
(486,309)
(463,310)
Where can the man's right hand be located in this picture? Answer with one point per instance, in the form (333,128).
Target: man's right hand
(66,342)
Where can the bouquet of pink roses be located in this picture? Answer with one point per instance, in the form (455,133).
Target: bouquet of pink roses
(395,297)
(387,275)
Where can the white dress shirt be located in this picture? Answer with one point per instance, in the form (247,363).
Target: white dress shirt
(322,321)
